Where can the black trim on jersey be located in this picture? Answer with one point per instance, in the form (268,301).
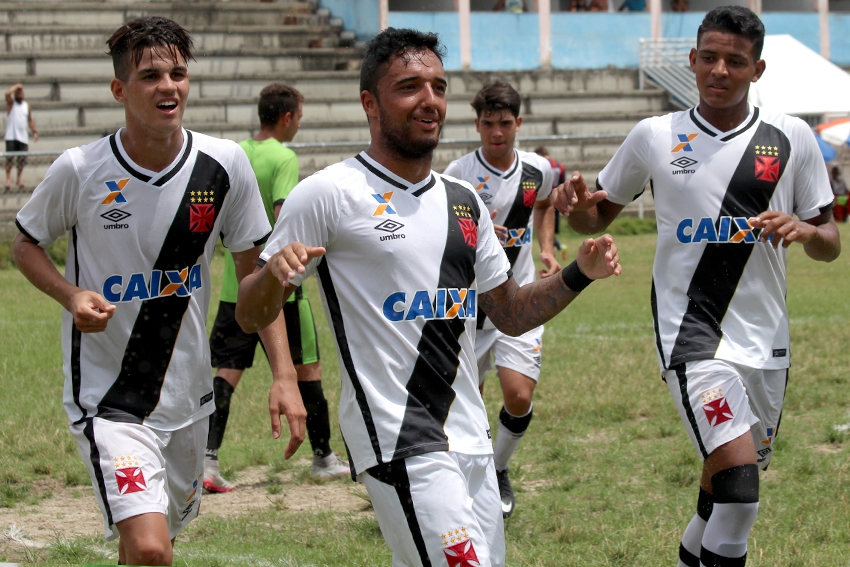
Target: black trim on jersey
(94,456)
(711,559)
(176,169)
(24,232)
(700,125)
(488,167)
(635,198)
(135,393)
(76,338)
(824,209)
(117,153)
(380,173)
(681,374)
(338,324)
(278,202)
(653,301)
(263,240)
(427,186)
(430,392)
(722,264)
(749,125)
(395,474)
(261,262)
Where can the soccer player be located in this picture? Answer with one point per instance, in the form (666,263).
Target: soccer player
(515,187)
(727,178)
(144,207)
(232,349)
(404,257)
(18,117)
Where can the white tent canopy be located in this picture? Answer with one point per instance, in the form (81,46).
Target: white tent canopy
(799,81)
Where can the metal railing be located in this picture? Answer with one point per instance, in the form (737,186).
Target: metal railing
(665,63)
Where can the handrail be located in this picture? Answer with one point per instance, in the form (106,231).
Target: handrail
(665,63)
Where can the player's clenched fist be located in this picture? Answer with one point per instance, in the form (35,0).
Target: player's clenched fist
(292,260)
(91,311)
(600,258)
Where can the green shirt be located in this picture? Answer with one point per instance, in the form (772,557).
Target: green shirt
(276,168)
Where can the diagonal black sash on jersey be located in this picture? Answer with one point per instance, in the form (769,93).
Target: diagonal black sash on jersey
(135,393)
(531,179)
(430,392)
(338,324)
(720,268)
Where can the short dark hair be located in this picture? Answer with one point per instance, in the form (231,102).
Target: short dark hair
(127,45)
(737,20)
(276,100)
(392,42)
(495,97)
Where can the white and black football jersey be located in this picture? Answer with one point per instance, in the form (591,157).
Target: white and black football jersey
(399,283)
(717,292)
(144,240)
(512,194)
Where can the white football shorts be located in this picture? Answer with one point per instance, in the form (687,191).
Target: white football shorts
(719,401)
(439,508)
(137,470)
(521,353)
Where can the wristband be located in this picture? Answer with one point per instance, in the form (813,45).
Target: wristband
(574,279)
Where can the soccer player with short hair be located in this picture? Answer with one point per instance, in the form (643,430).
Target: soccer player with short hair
(727,178)
(144,208)
(516,187)
(404,257)
(276,167)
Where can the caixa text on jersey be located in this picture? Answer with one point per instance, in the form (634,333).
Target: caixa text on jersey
(731,230)
(158,283)
(444,303)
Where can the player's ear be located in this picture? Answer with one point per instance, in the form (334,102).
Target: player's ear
(117,88)
(692,58)
(369,103)
(518,122)
(760,67)
(477,127)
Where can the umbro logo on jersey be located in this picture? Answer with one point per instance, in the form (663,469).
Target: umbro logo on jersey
(158,284)
(683,163)
(684,144)
(516,237)
(115,216)
(390,226)
(115,194)
(486,197)
(482,183)
(384,204)
(447,303)
(731,230)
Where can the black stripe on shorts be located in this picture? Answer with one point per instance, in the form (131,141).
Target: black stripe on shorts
(689,411)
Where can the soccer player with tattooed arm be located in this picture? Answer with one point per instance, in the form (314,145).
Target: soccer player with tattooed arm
(404,257)
(734,187)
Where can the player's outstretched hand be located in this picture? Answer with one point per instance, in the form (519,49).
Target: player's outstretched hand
(501,231)
(292,260)
(285,399)
(598,259)
(91,311)
(782,227)
(573,195)
(552,265)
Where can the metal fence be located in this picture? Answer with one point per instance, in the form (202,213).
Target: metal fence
(665,63)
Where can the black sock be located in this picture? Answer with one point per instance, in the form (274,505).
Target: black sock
(318,420)
(223,391)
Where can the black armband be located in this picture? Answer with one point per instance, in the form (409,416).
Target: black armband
(574,279)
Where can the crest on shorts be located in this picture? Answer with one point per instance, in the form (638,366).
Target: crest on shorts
(716,408)
(129,475)
(459,550)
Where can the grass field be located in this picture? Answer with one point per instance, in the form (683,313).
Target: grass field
(605,476)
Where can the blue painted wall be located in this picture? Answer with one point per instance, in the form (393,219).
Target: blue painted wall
(504,42)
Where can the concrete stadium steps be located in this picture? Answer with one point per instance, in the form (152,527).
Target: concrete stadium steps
(188,14)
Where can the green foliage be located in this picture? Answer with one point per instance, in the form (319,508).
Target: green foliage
(605,475)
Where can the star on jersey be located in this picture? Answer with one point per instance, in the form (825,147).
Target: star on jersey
(115,194)
(684,144)
(201,211)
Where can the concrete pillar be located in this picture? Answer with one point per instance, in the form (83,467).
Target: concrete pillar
(823,17)
(383,14)
(655,18)
(544,12)
(465,41)
(755,6)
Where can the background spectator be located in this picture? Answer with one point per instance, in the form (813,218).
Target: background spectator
(839,189)
(18,115)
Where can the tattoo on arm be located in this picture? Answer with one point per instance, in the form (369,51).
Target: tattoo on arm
(516,310)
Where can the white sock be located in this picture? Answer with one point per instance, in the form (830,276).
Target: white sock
(507,440)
